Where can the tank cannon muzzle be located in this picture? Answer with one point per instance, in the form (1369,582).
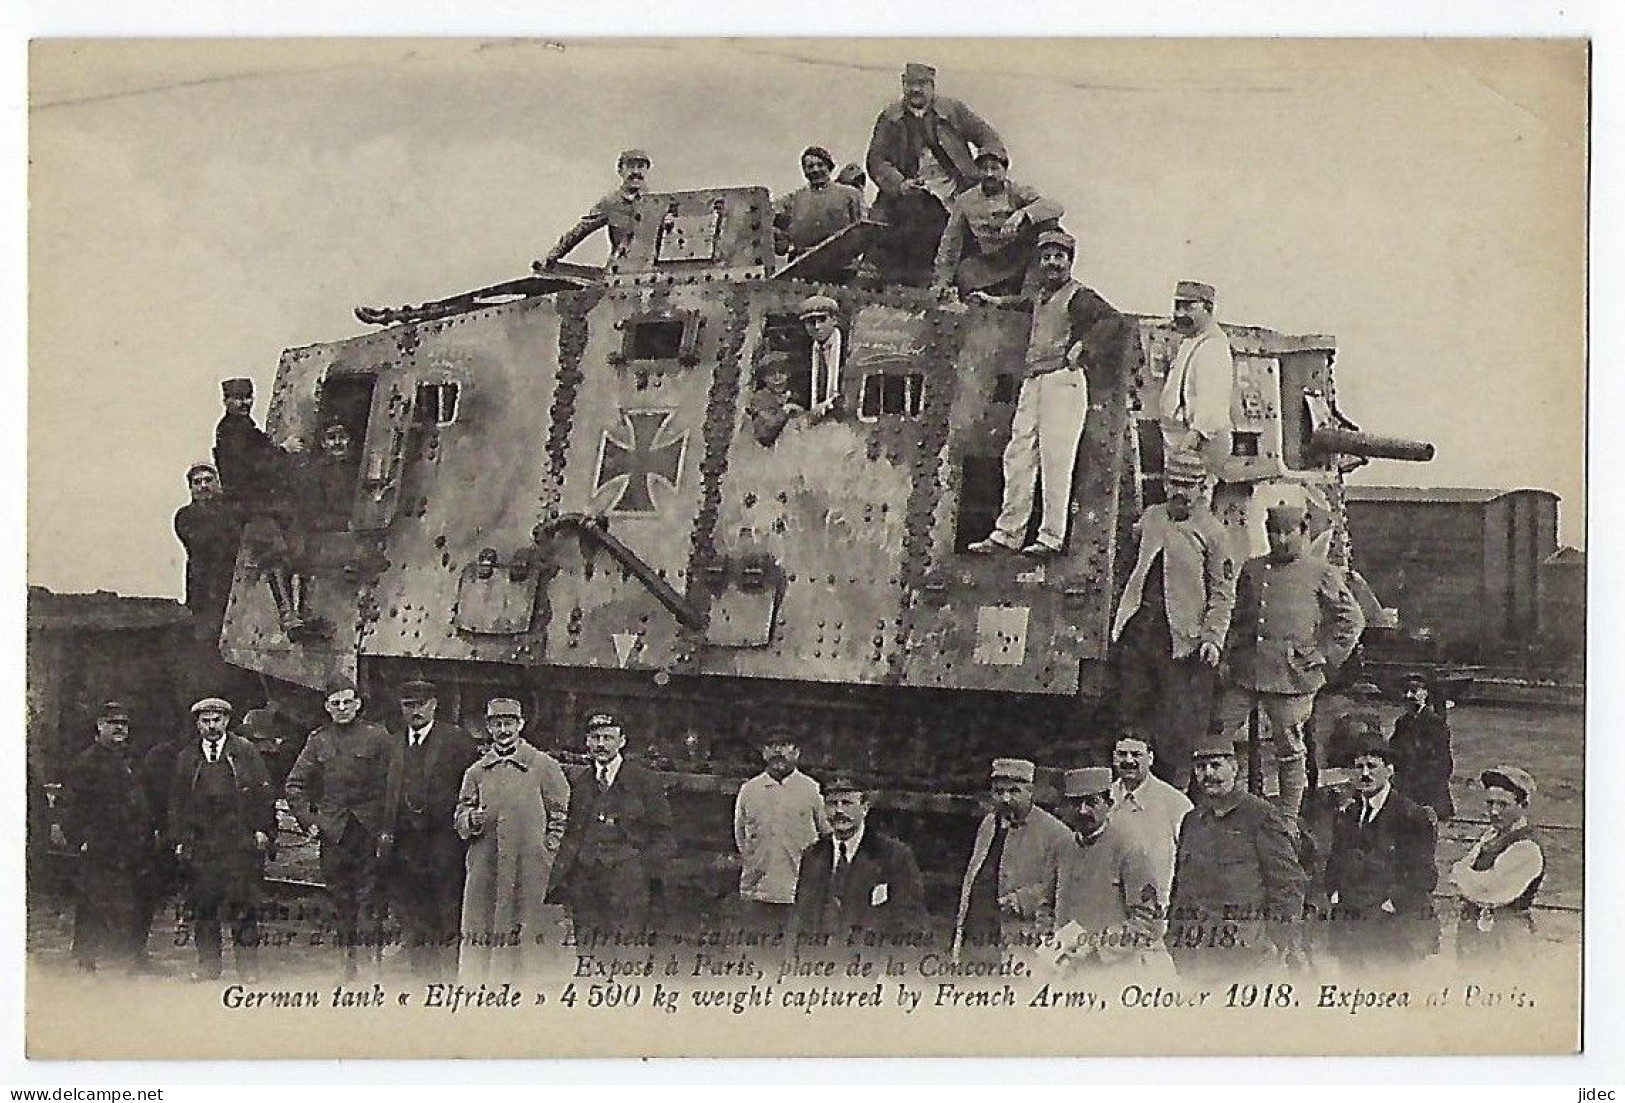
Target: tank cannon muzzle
(1333,439)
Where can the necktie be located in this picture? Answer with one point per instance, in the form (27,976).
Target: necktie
(843,866)
(603,776)
(820,387)
(211,751)
(1368,812)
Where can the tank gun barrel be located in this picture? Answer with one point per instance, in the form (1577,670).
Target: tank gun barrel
(1352,442)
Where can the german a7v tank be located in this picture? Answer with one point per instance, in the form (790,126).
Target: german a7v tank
(559,496)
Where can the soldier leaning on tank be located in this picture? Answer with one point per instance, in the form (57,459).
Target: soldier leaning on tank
(1072,326)
(818,316)
(823,208)
(614,212)
(222,821)
(770,408)
(1168,633)
(424,863)
(920,157)
(336,791)
(1423,759)
(1294,619)
(108,823)
(1194,408)
(992,233)
(1500,875)
(617,839)
(210,528)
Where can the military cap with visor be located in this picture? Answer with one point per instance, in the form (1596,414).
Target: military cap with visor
(417,690)
(1190,291)
(113,710)
(1058,238)
(237,388)
(503,706)
(1013,769)
(1087,782)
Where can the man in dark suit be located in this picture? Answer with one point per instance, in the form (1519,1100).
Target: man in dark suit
(1381,873)
(856,878)
(618,835)
(424,855)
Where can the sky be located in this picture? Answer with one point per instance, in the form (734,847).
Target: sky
(196,207)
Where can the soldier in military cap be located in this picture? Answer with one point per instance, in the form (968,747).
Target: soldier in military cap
(424,855)
(337,791)
(857,878)
(921,157)
(819,316)
(1194,410)
(1500,875)
(992,233)
(1074,331)
(210,528)
(1007,897)
(108,824)
(1294,619)
(251,467)
(1238,888)
(614,212)
(618,836)
(808,217)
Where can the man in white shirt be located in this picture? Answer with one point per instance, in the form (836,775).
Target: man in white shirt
(1500,875)
(778,814)
(824,391)
(1147,804)
(1194,410)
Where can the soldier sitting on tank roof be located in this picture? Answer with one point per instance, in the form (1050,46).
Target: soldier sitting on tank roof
(806,218)
(770,407)
(613,212)
(992,233)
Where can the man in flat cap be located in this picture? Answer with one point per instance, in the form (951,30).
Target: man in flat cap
(618,836)
(1238,888)
(920,157)
(778,814)
(1109,910)
(512,806)
(1007,897)
(222,820)
(210,528)
(1074,332)
(992,233)
(1294,619)
(1147,804)
(819,318)
(424,854)
(614,212)
(856,878)
(1500,875)
(1422,755)
(1194,410)
(808,217)
(337,792)
(1169,629)
(103,811)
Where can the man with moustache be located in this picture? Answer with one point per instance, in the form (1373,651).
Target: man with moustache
(337,793)
(1073,330)
(857,878)
(1238,889)
(1148,805)
(1007,897)
(1422,756)
(615,212)
(1171,621)
(1109,910)
(778,815)
(619,835)
(1381,874)
(210,528)
(222,818)
(992,230)
(1194,409)
(920,157)
(812,215)
(424,854)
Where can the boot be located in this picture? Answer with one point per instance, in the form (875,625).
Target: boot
(1294,774)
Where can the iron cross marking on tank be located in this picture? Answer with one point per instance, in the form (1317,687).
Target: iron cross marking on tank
(633,454)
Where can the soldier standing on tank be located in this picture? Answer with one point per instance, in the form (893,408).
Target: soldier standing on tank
(992,231)
(209,527)
(614,212)
(815,213)
(1172,618)
(1072,326)
(1194,410)
(920,157)
(1294,619)
(336,791)
(109,825)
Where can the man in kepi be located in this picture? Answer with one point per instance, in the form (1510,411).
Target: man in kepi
(1110,910)
(336,791)
(618,836)
(825,207)
(1072,327)
(614,212)
(1500,875)
(778,814)
(920,157)
(251,467)
(858,878)
(1007,898)
(1381,873)
(424,855)
(1238,889)
(992,229)
(222,819)
(1294,619)
(1194,410)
